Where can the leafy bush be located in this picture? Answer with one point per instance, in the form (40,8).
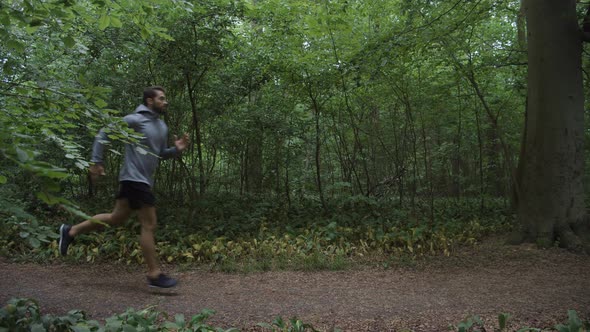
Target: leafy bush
(475,323)
(23,315)
(293,325)
(20,315)
(21,232)
(267,236)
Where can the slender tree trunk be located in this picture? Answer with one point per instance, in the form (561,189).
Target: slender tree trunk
(318,145)
(428,173)
(414,141)
(480,161)
(287,181)
(243,168)
(456,156)
(551,206)
(197,133)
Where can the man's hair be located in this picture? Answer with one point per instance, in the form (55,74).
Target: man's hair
(151,92)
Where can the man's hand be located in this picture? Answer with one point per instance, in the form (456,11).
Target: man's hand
(96,171)
(182,143)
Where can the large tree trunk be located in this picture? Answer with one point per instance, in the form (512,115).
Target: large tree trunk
(551,203)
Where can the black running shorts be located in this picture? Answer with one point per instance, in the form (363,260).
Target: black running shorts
(137,193)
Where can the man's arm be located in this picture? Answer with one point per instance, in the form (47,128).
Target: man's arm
(98,147)
(179,146)
(97,169)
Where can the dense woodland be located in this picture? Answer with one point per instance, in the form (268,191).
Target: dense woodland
(327,128)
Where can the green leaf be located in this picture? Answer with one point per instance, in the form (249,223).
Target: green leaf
(32,29)
(116,22)
(128,328)
(2,179)
(15,45)
(172,326)
(575,323)
(104,21)
(502,319)
(81,164)
(22,155)
(100,103)
(180,321)
(4,18)
(37,328)
(35,243)
(8,68)
(47,198)
(56,173)
(69,41)
(76,211)
(264,325)
(562,328)
(144,33)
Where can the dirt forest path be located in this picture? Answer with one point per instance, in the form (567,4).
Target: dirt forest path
(536,287)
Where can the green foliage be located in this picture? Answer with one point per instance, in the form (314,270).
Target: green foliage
(20,315)
(376,80)
(250,237)
(293,325)
(21,231)
(574,323)
(503,321)
(475,323)
(23,315)
(46,99)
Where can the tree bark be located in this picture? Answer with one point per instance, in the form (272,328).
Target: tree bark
(318,145)
(196,125)
(552,205)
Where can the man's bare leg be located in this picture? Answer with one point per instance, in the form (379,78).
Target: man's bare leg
(120,214)
(149,220)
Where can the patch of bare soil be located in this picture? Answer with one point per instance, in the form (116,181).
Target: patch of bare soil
(535,286)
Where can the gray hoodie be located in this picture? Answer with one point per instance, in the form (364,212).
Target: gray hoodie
(137,166)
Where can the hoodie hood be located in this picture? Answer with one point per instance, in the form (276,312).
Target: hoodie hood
(146,111)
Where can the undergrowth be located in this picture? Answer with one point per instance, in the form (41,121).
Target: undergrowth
(21,314)
(257,235)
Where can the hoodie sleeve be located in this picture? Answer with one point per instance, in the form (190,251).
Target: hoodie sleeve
(101,138)
(165,151)
(98,147)
(132,120)
(169,152)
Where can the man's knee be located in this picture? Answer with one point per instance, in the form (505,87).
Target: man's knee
(148,225)
(118,218)
(147,218)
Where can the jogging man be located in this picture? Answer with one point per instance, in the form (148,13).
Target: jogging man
(136,181)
